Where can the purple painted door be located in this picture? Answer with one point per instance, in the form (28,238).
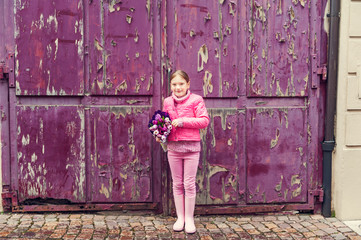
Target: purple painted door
(84,93)
(253,62)
(89,74)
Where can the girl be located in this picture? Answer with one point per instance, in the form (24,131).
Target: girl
(188,114)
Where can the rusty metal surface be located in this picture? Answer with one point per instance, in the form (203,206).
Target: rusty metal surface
(51,154)
(120,169)
(203,40)
(121,47)
(86,207)
(89,74)
(49,47)
(277,140)
(279,38)
(218,175)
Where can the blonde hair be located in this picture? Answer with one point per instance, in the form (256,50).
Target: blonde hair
(181,73)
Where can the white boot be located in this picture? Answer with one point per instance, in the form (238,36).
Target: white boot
(188,214)
(179,206)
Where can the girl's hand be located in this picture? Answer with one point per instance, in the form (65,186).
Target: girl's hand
(157,139)
(175,122)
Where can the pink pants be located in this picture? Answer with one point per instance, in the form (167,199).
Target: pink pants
(183,167)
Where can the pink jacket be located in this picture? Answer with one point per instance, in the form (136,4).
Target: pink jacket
(192,112)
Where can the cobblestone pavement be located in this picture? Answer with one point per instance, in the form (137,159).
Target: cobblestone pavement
(148,226)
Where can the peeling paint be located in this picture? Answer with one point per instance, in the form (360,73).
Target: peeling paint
(275,141)
(202,57)
(104,190)
(279,186)
(25,140)
(150,41)
(148,8)
(121,87)
(129,19)
(207,83)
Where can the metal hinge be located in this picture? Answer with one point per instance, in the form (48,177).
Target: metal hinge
(10,200)
(318,193)
(7,69)
(323,72)
(4,71)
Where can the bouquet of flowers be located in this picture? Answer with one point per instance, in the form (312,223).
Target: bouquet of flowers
(160,125)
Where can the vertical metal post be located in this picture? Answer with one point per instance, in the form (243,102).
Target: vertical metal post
(329,141)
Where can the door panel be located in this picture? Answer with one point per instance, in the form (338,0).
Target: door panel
(51,154)
(217,180)
(121,47)
(121,169)
(279,41)
(49,47)
(203,42)
(276,146)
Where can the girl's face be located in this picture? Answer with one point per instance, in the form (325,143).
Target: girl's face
(179,86)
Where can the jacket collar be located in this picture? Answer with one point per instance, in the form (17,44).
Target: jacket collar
(181,99)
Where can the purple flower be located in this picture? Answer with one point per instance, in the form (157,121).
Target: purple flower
(155,122)
(158,117)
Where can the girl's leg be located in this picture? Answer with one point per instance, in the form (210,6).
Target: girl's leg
(176,167)
(191,161)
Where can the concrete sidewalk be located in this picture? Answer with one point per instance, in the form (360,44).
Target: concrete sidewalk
(148,226)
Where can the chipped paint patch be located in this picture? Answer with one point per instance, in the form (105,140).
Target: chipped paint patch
(202,57)
(129,19)
(148,8)
(104,190)
(121,87)
(279,185)
(150,83)
(150,41)
(231,8)
(207,83)
(295,180)
(275,141)
(25,140)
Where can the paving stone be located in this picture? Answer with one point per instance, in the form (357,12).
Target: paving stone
(252,231)
(338,224)
(332,219)
(207,237)
(329,230)
(338,236)
(282,218)
(247,226)
(222,225)
(344,229)
(257,219)
(263,229)
(356,237)
(309,234)
(244,235)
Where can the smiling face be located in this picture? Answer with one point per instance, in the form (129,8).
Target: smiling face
(179,86)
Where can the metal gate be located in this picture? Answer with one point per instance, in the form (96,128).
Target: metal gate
(83,78)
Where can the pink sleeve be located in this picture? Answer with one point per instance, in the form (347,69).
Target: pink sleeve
(201,119)
(164,105)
